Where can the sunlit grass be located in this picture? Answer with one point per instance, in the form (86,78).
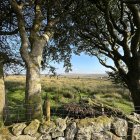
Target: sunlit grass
(65,90)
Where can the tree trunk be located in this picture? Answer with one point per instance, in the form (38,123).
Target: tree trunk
(136,99)
(134,82)
(33,98)
(2,94)
(135,94)
(32,61)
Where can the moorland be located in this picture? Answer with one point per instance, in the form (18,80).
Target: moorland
(71,88)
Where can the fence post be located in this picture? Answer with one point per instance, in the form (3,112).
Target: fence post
(48,110)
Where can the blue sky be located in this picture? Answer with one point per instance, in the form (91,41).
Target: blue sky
(83,64)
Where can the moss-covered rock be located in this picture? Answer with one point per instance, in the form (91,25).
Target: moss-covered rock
(23,137)
(98,124)
(18,128)
(47,127)
(32,128)
(5,134)
(60,124)
(84,133)
(106,135)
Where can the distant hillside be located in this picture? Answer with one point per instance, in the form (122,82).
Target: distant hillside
(85,75)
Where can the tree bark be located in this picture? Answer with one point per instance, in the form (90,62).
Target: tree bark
(134,88)
(33,98)
(2,94)
(134,82)
(31,51)
(135,93)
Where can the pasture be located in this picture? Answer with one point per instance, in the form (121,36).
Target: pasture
(67,89)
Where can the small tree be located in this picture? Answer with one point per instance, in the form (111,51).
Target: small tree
(36,21)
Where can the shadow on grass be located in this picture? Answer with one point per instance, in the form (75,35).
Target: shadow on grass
(13,85)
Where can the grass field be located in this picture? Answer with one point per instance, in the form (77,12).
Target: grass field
(71,89)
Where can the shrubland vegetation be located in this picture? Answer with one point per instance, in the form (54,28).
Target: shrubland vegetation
(71,89)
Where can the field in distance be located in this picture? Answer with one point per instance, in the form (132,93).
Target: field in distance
(71,88)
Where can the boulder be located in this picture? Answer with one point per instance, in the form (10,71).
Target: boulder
(23,137)
(97,136)
(84,133)
(18,128)
(60,124)
(60,127)
(61,138)
(90,126)
(47,127)
(45,137)
(57,134)
(120,127)
(98,124)
(5,137)
(32,128)
(5,134)
(136,116)
(70,132)
(136,132)
(37,135)
(101,123)
(104,136)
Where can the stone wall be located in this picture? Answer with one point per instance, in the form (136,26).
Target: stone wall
(100,128)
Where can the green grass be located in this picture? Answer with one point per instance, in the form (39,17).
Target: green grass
(65,90)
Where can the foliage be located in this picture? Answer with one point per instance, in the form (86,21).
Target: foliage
(9,51)
(116,78)
(109,30)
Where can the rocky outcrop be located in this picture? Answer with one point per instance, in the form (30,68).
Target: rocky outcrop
(100,128)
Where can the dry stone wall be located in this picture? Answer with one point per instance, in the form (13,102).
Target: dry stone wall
(100,128)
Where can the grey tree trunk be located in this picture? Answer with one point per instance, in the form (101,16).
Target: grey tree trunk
(31,51)
(33,98)
(2,94)
(33,60)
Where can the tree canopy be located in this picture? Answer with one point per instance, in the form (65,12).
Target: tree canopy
(110,30)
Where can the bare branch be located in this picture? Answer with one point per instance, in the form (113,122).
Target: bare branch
(135,42)
(104,64)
